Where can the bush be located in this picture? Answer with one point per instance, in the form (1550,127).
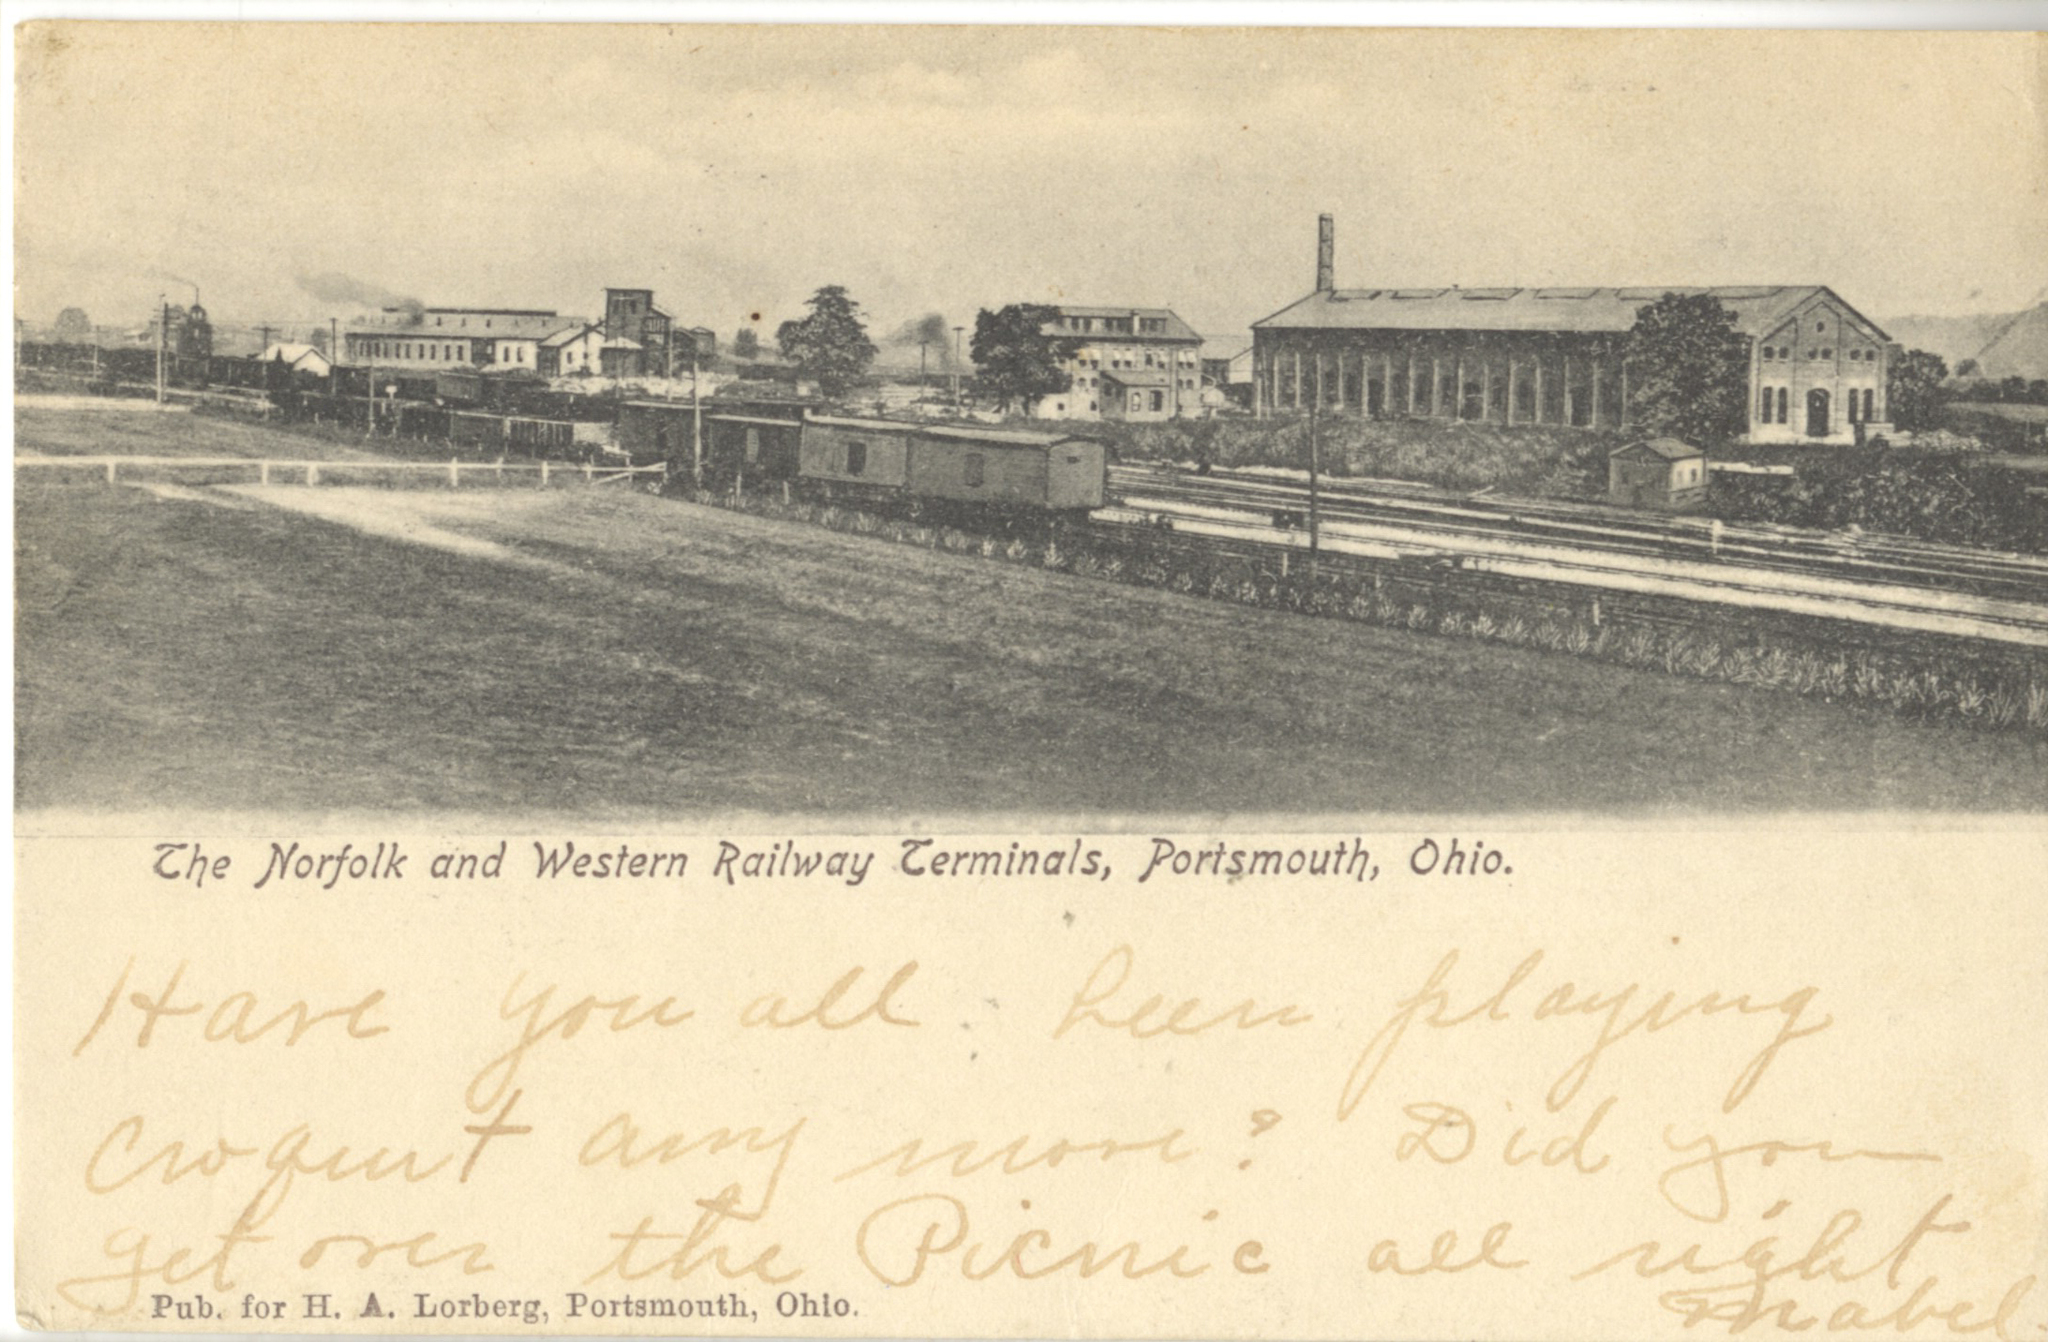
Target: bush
(1943,497)
(1548,459)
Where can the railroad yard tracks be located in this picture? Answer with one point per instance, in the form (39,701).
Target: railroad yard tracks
(1660,568)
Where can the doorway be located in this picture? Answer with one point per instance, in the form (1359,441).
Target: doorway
(1817,413)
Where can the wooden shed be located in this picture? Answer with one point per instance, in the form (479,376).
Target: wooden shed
(1657,473)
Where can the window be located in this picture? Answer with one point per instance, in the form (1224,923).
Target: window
(1769,353)
(753,446)
(1782,402)
(1827,354)
(1159,400)
(1813,354)
(1869,401)
(972,469)
(1764,416)
(1820,328)
(856,458)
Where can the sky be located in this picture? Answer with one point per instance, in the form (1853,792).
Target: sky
(735,169)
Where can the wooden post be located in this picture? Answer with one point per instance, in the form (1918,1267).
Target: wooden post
(1297,377)
(263,474)
(312,472)
(1409,406)
(110,470)
(1593,390)
(586,472)
(454,473)
(1569,417)
(1539,385)
(543,472)
(1486,385)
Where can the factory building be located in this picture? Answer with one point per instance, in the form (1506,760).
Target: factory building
(505,339)
(1816,366)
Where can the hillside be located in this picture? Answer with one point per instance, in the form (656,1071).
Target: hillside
(2002,343)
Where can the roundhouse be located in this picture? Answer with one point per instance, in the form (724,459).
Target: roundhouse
(1816,366)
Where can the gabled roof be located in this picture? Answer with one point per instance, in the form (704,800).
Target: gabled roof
(1670,449)
(1759,308)
(569,334)
(291,352)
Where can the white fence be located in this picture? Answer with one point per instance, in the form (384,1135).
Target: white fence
(309,472)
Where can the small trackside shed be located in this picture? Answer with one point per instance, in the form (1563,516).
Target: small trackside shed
(1657,473)
(958,463)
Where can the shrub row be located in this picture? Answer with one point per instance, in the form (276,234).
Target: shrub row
(1924,685)
(1554,461)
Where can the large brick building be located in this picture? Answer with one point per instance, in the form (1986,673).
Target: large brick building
(1126,363)
(1556,356)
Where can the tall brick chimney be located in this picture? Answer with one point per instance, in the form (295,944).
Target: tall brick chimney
(1326,254)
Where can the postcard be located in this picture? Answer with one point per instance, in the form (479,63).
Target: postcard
(839,681)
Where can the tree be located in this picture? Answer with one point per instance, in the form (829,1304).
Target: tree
(831,344)
(1688,369)
(73,325)
(746,344)
(1912,390)
(1016,359)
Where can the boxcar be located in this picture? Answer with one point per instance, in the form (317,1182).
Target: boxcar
(956,464)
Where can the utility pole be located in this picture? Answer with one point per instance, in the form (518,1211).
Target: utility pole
(696,418)
(333,345)
(959,359)
(1315,464)
(922,345)
(264,334)
(163,336)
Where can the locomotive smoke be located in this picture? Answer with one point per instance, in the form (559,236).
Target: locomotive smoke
(930,330)
(331,286)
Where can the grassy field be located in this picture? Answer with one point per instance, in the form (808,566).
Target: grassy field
(584,652)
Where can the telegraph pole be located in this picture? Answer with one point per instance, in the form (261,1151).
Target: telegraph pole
(696,417)
(922,346)
(958,360)
(1314,488)
(163,336)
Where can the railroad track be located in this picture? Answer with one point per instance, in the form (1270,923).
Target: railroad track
(1666,570)
(1871,558)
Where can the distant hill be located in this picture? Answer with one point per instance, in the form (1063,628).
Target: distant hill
(2002,343)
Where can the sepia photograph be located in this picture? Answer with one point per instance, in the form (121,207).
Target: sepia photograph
(626,420)
(1136,678)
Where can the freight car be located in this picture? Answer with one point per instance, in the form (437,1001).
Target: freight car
(953,464)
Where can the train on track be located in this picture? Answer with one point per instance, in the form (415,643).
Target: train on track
(896,464)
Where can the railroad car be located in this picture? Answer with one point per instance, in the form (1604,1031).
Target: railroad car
(1002,468)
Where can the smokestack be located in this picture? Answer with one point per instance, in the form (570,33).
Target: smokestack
(1326,254)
